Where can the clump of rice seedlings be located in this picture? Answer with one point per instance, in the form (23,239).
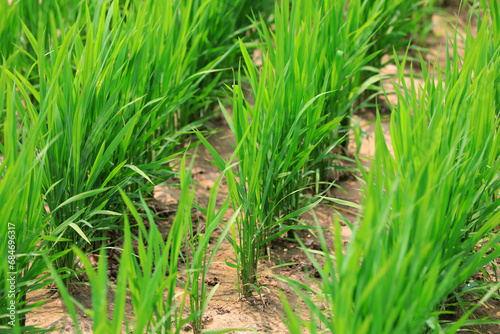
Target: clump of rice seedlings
(429,211)
(345,37)
(89,128)
(152,276)
(21,214)
(112,90)
(275,136)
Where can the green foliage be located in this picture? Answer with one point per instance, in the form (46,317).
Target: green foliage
(426,208)
(153,276)
(275,137)
(95,98)
(22,217)
(118,89)
(105,94)
(305,88)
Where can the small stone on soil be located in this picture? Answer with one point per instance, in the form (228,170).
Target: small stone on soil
(221,310)
(212,281)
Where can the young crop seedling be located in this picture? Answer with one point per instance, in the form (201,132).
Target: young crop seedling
(21,214)
(288,132)
(429,214)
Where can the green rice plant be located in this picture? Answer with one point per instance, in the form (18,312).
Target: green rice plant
(346,38)
(22,215)
(430,211)
(275,138)
(157,301)
(399,22)
(111,96)
(91,128)
(142,275)
(335,42)
(198,259)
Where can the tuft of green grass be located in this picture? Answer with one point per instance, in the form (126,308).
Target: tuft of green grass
(22,214)
(429,212)
(285,136)
(149,273)
(118,88)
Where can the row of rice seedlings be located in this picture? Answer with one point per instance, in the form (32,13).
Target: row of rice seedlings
(112,95)
(21,215)
(106,109)
(160,291)
(430,211)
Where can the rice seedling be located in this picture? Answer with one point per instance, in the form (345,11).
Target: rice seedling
(285,139)
(153,275)
(347,38)
(112,96)
(21,214)
(198,259)
(429,211)
(274,137)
